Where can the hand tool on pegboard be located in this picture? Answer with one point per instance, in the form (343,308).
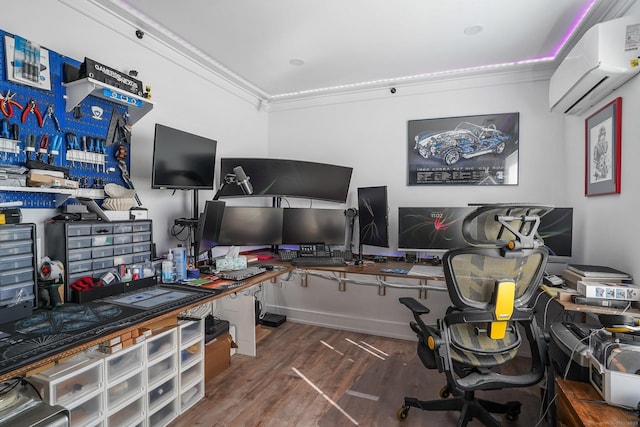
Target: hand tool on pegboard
(32,107)
(120,154)
(119,131)
(51,113)
(56,144)
(7,103)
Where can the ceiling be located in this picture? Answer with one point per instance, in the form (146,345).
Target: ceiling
(288,49)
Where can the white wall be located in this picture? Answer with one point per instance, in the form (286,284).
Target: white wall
(185,96)
(369,133)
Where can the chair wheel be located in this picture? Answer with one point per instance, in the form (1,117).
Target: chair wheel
(444,392)
(402,413)
(513,412)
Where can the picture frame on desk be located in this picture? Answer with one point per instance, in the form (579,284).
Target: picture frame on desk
(603,144)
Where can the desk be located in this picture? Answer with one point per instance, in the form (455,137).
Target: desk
(580,405)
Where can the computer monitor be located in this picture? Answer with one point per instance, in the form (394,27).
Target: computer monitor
(313,225)
(251,226)
(209,223)
(556,229)
(182,160)
(431,229)
(288,178)
(373,218)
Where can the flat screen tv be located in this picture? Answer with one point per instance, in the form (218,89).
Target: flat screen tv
(556,229)
(182,160)
(209,223)
(251,226)
(289,178)
(373,218)
(312,225)
(431,229)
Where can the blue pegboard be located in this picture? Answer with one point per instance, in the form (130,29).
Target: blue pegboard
(97,170)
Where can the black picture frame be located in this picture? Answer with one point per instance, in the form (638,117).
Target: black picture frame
(464,150)
(603,150)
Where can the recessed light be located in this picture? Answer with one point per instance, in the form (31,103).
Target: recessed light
(296,62)
(473,30)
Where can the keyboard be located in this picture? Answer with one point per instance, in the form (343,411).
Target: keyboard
(307,261)
(242,274)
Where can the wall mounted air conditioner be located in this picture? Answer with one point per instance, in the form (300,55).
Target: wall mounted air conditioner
(603,60)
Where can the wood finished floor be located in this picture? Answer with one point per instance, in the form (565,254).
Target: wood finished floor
(308,376)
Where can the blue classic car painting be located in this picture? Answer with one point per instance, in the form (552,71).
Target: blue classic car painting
(466,141)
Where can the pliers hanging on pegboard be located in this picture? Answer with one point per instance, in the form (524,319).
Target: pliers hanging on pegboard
(43,147)
(51,113)
(32,107)
(120,153)
(7,103)
(55,146)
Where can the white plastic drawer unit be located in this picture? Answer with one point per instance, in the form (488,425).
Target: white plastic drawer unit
(122,250)
(9,234)
(193,352)
(164,415)
(141,247)
(191,396)
(124,362)
(102,252)
(161,344)
(79,242)
(125,390)
(79,255)
(161,368)
(16,248)
(87,413)
(190,332)
(141,226)
(69,382)
(129,415)
(192,375)
(160,394)
(79,266)
(16,276)
(13,262)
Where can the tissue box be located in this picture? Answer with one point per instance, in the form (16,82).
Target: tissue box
(228,263)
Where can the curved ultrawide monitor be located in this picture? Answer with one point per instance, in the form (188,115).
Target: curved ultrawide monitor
(289,178)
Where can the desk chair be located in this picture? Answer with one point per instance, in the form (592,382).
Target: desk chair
(490,284)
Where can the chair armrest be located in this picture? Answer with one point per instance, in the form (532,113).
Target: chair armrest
(414,306)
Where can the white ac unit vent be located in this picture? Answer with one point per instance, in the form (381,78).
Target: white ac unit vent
(604,59)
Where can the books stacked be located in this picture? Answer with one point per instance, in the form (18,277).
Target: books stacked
(601,286)
(593,273)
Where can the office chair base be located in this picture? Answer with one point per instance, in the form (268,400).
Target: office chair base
(468,406)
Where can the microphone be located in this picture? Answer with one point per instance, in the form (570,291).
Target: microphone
(243,180)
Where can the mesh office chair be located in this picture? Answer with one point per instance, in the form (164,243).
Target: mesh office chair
(490,284)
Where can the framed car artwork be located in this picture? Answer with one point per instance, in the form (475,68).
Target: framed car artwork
(466,150)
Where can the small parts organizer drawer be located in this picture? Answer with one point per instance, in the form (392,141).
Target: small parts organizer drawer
(17,269)
(92,248)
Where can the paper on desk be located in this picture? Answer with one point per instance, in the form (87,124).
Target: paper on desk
(427,270)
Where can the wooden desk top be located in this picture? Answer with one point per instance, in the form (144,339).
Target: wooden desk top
(579,404)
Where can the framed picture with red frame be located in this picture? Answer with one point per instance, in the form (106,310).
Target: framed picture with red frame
(603,144)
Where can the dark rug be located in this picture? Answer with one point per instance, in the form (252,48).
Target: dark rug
(375,398)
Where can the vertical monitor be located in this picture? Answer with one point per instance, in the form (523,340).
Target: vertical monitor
(373,218)
(251,226)
(209,223)
(556,230)
(182,160)
(311,225)
(431,229)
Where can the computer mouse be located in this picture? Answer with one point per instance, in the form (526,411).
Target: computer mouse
(268,267)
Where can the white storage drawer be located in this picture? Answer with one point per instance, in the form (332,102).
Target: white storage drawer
(191,353)
(161,344)
(192,375)
(164,415)
(9,234)
(191,396)
(129,415)
(122,228)
(68,382)
(79,230)
(161,369)
(87,413)
(9,292)
(13,262)
(125,390)
(160,394)
(79,255)
(190,332)
(124,362)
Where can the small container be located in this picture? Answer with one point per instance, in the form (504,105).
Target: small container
(168,269)
(136,273)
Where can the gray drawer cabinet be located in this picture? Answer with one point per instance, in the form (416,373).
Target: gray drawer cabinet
(18,273)
(93,248)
